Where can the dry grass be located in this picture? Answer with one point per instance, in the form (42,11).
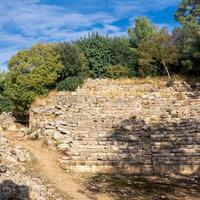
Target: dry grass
(96,87)
(165,93)
(42,99)
(136,92)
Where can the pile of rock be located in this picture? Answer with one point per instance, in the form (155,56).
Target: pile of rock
(14,183)
(8,123)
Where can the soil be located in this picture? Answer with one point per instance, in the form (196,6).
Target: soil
(99,186)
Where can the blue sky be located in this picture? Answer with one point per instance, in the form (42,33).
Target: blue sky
(25,22)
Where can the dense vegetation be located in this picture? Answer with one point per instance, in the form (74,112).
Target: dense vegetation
(145,51)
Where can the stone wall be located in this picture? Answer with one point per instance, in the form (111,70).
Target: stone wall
(129,126)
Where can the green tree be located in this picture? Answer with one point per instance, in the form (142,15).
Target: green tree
(5,103)
(123,55)
(74,67)
(97,50)
(188,12)
(187,40)
(32,73)
(157,51)
(187,37)
(143,29)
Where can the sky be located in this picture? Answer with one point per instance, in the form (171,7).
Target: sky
(26,22)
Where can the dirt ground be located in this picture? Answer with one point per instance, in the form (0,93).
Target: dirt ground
(99,186)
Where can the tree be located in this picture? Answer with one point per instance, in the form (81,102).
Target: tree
(142,30)
(72,58)
(5,103)
(74,68)
(97,50)
(187,40)
(122,54)
(157,51)
(188,12)
(32,73)
(187,37)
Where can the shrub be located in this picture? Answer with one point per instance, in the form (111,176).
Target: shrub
(70,83)
(116,71)
(32,73)
(123,55)
(74,68)
(5,103)
(72,59)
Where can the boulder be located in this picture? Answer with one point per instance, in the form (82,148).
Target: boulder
(35,135)
(63,129)
(58,136)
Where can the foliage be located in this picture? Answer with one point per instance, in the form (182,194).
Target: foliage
(157,51)
(32,73)
(2,82)
(72,59)
(70,83)
(188,12)
(97,50)
(5,104)
(187,37)
(116,71)
(74,68)
(187,40)
(122,54)
(143,30)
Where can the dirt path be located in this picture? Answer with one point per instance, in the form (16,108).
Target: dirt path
(48,169)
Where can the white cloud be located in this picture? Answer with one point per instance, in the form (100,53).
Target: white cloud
(25,22)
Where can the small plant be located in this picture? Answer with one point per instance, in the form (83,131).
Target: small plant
(70,83)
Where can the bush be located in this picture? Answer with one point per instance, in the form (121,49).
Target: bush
(72,59)
(123,55)
(146,70)
(32,73)
(5,103)
(74,68)
(70,83)
(116,71)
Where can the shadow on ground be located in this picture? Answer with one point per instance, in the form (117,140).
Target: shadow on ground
(124,187)
(173,137)
(11,191)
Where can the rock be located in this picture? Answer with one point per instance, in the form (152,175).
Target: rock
(63,129)
(3,168)
(35,135)
(59,122)
(48,126)
(48,132)
(133,138)
(12,127)
(63,147)
(7,122)
(58,136)
(22,155)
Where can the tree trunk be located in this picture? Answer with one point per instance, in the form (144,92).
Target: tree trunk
(168,74)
